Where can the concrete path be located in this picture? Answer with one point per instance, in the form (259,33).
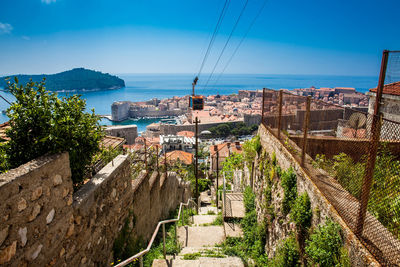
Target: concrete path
(199,242)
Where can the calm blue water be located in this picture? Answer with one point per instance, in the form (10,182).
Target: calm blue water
(140,87)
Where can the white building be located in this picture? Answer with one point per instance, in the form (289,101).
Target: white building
(176,142)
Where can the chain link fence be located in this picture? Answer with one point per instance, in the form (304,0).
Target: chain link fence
(351,153)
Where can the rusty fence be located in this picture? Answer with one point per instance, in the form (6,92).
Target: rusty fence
(351,153)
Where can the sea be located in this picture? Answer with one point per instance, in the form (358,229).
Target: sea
(141,87)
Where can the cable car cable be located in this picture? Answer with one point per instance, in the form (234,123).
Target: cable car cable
(217,27)
(227,41)
(241,41)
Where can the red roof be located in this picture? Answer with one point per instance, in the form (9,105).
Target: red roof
(185,157)
(390,89)
(224,151)
(186,133)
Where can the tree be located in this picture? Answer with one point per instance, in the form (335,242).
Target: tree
(41,123)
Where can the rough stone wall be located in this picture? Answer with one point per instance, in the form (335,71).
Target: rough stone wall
(129,132)
(35,204)
(155,113)
(280,228)
(44,223)
(174,129)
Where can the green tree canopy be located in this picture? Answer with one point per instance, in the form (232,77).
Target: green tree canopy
(41,123)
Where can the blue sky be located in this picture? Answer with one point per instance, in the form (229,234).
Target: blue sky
(158,36)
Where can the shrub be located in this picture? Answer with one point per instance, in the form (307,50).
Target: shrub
(287,254)
(301,212)
(41,123)
(323,247)
(289,184)
(248,199)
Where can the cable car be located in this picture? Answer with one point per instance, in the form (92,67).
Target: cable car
(197,102)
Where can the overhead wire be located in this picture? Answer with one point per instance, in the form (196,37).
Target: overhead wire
(216,29)
(226,43)
(241,41)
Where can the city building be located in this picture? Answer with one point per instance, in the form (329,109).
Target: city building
(176,142)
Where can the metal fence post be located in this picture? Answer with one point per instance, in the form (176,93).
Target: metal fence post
(373,149)
(163,236)
(305,129)
(280,113)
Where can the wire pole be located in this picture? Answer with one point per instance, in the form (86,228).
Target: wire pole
(216,149)
(196,173)
(373,147)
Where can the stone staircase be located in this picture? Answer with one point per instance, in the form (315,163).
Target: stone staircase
(199,242)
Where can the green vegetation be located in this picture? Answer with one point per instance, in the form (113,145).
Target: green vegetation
(125,245)
(287,254)
(233,162)
(324,246)
(228,129)
(41,123)
(75,79)
(384,202)
(192,256)
(289,184)
(301,212)
(250,247)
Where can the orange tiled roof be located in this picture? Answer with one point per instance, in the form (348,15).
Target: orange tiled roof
(223,149)
(389,89)
(3,128)
(186,133)
(185,157)
(112,141)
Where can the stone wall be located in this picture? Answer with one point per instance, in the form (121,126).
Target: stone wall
(129,132)
(44,223)
(174,129)
(133,113)
(281,225)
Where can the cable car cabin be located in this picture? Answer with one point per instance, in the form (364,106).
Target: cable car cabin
(197,102)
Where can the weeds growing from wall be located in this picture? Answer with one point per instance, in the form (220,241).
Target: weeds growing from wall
(287,254)
(324,246)
(289,185)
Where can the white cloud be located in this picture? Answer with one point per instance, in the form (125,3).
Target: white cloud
(5,28)
(27,38)
(48,1)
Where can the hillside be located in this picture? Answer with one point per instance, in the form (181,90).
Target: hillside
(72,80)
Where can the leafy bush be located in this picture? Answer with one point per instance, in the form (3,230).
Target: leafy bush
(252,244)
(231,163)
(204,184)
(248,199)
(41,123)
(301,212)
(384,202)
(237,129)
(287,254)
(289,184)
(324,246)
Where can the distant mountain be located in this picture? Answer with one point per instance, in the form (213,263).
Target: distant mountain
(78,79)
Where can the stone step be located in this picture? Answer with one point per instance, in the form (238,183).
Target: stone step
(190,250)
(232,229)
(206,209)
(198,220)
(200,236)
(200,262)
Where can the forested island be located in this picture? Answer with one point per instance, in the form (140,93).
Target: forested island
(79,79)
